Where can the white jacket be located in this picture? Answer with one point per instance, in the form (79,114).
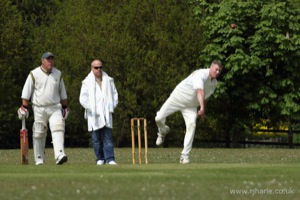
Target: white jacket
(99,104)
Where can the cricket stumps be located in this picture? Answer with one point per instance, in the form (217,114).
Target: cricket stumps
(136,127)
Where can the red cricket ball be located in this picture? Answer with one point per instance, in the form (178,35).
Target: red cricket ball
(232,26)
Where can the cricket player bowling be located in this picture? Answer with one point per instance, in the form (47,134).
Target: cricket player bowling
(189,94)
(46,89)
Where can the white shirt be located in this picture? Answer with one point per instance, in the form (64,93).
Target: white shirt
(98,103)
(44,89)
(186,90)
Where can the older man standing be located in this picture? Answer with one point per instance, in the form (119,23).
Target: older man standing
(46,88)
(188,95)
(99,97)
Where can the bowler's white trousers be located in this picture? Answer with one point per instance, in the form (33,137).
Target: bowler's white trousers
(183,100)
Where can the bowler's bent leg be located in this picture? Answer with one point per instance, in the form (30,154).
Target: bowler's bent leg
(168,108)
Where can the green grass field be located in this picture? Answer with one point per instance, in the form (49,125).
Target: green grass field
(213,174)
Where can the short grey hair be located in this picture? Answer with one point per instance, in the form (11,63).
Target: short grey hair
(217,62)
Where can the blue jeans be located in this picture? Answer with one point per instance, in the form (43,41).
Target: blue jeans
(103,144)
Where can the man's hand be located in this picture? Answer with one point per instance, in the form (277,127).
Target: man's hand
(65,112)
(23,112)
(201,114)
(200,96)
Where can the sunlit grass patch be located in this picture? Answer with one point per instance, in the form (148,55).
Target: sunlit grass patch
(212,174)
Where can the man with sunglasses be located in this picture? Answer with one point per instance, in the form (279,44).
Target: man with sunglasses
(99,97)
(188,95)
(46,89)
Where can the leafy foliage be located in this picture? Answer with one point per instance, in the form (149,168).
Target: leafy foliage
(11,40)
(147,47)
(261,57)
(150,46)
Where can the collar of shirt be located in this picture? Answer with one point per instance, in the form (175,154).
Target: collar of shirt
(45,71)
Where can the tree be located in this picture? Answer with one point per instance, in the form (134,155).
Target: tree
(147,46)
(261,56)
(11,40)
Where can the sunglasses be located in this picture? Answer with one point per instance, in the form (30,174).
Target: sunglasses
(98,67)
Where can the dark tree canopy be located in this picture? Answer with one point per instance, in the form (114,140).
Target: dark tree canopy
(149,47)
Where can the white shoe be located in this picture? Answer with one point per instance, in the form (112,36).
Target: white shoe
(112,162)
(184,159)
(161,136)
(100,162)
(61,159)
(39,162)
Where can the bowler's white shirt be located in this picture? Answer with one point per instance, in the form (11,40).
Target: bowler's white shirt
(187,89)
